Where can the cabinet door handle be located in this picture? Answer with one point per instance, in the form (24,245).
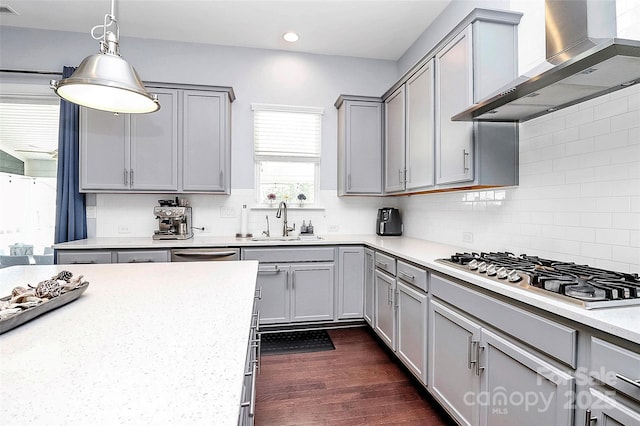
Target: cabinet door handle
(141,261)
(221,179)
(479,369)
(270,268)
(259,293)
(470,350)
(588,419)
(407,276)
(465,160)
(632,382)
(131,177)
(349,181)
(126,177)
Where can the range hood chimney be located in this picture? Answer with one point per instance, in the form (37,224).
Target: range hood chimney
(584,60)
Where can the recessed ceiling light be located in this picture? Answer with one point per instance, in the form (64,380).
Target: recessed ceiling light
(291,37)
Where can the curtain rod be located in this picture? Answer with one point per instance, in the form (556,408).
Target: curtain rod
(31,72)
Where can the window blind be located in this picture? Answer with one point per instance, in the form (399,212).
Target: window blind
(286,134)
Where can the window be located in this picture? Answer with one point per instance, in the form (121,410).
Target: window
(287,153)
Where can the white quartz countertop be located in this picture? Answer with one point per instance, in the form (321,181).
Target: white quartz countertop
(619,321)
(161,343)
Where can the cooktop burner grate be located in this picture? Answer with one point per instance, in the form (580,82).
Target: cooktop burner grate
(588,286)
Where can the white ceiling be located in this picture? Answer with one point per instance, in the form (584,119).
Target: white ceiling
(380,29)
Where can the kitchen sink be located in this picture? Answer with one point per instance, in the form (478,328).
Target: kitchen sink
(280,238)
(288,238)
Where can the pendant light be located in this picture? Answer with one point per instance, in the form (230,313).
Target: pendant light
(104,80)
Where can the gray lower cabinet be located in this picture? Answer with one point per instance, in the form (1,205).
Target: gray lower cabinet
(143,256)
(312,292)
(607,409)
(614,394)
(247,413)
(350,282)
(412,329)
(369,278)
(274,305)
(359,145)
(73,257)
(482,378)
(297,283)
(384,315)
(183,147)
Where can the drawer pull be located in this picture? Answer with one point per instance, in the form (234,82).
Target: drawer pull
(407,276)
(141,261)
(82,262)
(259,293)
(272,269)
(632,382)
(382,264)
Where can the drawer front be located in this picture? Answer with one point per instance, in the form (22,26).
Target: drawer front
(297,254)
(556,340)
(385,263)
(412,275)
(616,366)
(83,257)
(146,256)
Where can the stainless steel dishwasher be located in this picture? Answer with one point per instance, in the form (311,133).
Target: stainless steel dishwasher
(205,254)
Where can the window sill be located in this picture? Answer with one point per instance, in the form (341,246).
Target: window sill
(289,207)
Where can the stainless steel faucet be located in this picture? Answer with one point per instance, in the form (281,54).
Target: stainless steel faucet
(267,233)
(285,229)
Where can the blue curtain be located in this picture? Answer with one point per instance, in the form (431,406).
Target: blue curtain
(71,218)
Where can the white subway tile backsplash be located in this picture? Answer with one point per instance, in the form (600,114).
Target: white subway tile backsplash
(618,237)
(595,128)
(625,121)
(627,187)
(599,251)
(634,204)
(625,254)
(579,118)
(612,204)
(611,108)
(578,233)
(597,188)
(611,140)
(580,175)
(625,221)
(596,220)
(580,146)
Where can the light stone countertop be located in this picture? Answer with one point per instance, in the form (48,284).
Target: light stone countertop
(619,321)
(161,343)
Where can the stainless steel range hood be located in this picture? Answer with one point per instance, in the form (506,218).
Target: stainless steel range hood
(589,62)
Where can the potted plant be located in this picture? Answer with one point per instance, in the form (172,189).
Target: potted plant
(271,197)
(301,198)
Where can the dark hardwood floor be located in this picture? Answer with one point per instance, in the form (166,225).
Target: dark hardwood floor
(356,384)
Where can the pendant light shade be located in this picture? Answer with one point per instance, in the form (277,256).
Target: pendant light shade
(105,81)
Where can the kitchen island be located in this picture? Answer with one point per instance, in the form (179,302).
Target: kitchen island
(160,343)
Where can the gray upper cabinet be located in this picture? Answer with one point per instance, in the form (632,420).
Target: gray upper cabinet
(183,147)
(154,146)
(359,145)
(424,149)
(467,70)
(130,152)
(420,129)
(394,128)
(104,151)
(454,92)
(206,148)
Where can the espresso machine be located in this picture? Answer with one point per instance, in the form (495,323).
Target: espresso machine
(174,222)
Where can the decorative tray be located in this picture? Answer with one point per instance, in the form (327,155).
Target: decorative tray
(67,292)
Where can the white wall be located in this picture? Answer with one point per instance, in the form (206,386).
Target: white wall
(578,198)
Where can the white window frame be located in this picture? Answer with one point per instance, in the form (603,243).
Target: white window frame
(316,160)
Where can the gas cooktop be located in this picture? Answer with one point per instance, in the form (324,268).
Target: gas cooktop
(581,284)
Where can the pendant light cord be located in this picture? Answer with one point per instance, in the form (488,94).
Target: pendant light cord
(105,40)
